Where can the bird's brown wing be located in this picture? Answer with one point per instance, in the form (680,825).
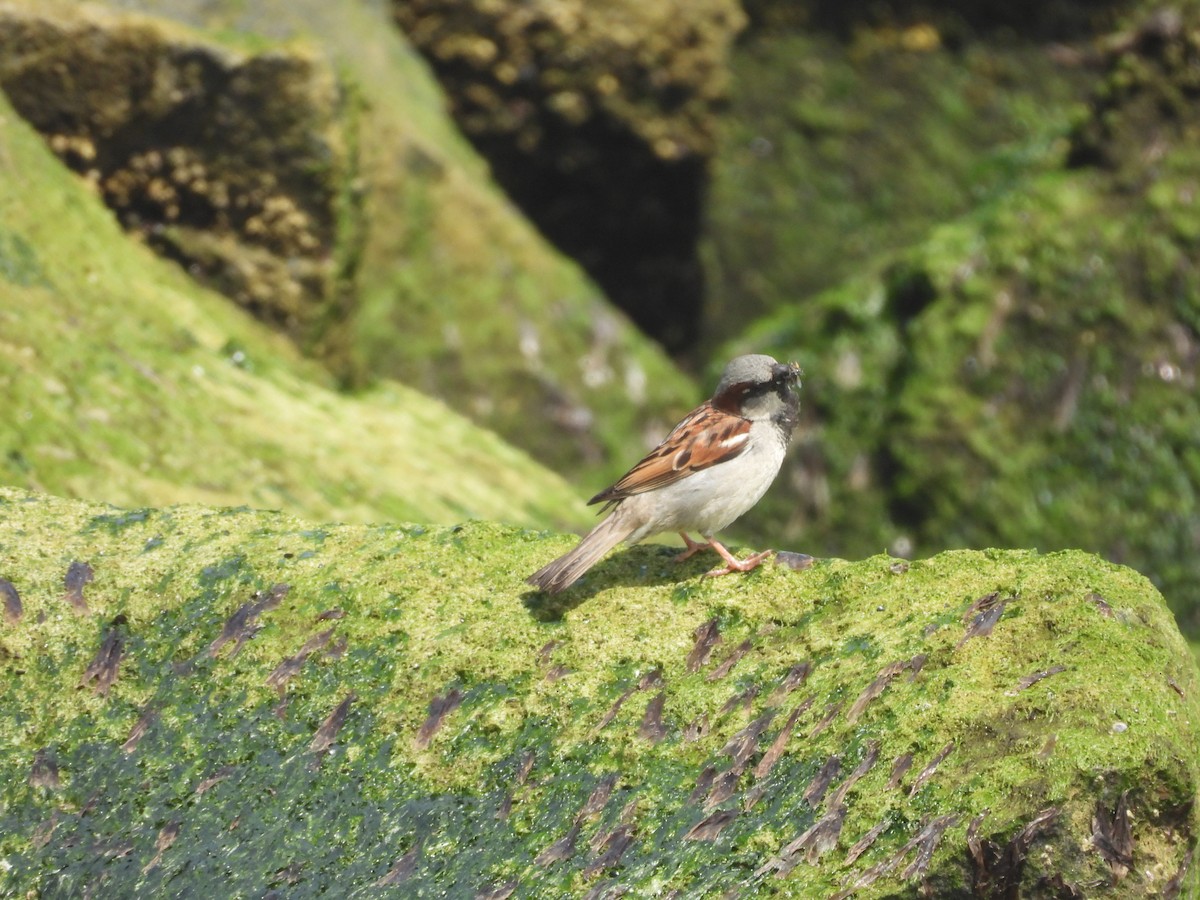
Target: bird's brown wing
(707,437)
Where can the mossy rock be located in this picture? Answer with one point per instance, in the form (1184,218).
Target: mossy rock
(1024,374)
(837,152)
(125,381)
(181,135)
(599,119)
(234,701)
(1005,383)
(297,156)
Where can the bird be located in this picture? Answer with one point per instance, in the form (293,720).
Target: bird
(713,467)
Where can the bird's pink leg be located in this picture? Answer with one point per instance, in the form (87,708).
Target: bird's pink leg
(732,563)
(693,547)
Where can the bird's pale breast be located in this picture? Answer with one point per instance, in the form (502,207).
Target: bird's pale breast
(711,499)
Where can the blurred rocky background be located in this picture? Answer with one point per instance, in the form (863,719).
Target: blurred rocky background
(975,225)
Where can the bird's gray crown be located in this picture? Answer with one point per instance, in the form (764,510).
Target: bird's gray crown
(754,368)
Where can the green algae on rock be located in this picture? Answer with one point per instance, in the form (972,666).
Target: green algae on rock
(1008,353)
(837,152)
(298,707)
(124,381)
(297,156)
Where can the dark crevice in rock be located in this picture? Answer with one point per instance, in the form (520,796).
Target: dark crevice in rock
(630,220)
(599,126)
(1057,20)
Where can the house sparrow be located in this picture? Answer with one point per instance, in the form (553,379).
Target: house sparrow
(711,468)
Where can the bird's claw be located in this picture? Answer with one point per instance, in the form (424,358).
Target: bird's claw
(732,564)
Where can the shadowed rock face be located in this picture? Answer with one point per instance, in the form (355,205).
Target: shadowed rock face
(598,119)
(249,702)
(227,163)
(1038,19)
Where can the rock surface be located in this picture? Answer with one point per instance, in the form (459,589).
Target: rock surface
(242,701)
(122,380)
(1025,372)
(297,156)
(599,119)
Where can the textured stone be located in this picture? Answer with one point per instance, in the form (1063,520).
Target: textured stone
(432,751)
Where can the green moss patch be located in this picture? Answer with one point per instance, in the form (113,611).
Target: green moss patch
(124,381)
(297,157)
(837,152)
(249,702)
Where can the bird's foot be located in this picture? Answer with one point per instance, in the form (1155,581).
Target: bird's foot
(693,547)
(732,563)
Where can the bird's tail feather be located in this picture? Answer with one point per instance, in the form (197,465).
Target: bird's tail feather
(567,569)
